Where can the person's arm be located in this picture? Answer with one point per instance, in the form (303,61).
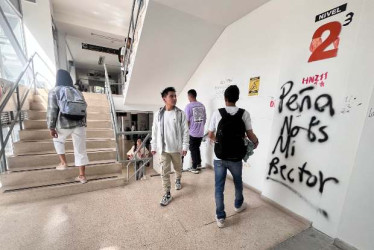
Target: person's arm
(186,136)
(52,113)
(186,110)
(252,137)
(212,128)
(204,115)
(212,136)
(154,134)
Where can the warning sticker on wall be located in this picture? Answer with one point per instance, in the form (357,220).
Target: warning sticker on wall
(254,86)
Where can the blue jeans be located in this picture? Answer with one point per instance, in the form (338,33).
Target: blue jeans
(220,171)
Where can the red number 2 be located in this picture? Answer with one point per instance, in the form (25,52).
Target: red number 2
(319,53)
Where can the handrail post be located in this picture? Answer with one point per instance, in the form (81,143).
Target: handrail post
(33,75)
(19,109)
(3,159)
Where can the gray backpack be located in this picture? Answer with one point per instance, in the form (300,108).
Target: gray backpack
(71,103)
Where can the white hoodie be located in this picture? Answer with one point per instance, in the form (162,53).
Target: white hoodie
(181,132)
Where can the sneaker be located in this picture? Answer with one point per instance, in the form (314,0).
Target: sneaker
(220,222)
(62,167)
(194,170)
(165,199)
(241,208)
(178,185)
(81,179)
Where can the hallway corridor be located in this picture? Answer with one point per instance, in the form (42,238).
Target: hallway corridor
(130,217)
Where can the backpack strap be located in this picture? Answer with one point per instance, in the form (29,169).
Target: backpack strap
(223,112)
(240,113)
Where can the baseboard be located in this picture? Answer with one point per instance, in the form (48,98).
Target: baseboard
(343,245)
(273,203)
(287,211)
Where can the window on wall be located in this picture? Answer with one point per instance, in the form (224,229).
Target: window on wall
(16,4)
(10,65)
(14,19)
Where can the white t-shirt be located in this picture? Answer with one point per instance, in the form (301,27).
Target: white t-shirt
(170,133)
(216,118)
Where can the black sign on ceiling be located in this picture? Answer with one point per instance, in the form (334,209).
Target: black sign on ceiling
(99,48)
(331,12)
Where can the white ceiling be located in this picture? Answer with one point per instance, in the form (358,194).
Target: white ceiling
(108,19)
(176,36)
(220,12)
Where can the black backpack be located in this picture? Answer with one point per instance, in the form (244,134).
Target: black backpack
(229,144)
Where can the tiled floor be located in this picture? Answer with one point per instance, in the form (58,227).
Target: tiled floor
(130,217)
(307,240)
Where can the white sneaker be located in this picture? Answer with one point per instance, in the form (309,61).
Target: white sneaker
(61,167)
(195,171)
(81,179)
(220,222)
(241,208)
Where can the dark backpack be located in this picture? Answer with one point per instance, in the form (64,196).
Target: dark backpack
(229,144)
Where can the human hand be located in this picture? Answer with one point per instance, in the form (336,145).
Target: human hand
(184,153)
(53,133)
(153,152)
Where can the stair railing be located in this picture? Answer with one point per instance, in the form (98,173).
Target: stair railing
(15,89)
(133,28)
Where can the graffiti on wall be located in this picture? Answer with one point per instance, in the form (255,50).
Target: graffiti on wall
(295,103)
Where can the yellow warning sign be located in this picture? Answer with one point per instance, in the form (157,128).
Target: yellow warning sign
(254,86)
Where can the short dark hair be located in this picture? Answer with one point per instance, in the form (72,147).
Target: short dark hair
(192,92)
(232,93)
(165,92)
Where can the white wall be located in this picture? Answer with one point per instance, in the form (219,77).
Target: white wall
(356,225)
(273,42)
(38,35)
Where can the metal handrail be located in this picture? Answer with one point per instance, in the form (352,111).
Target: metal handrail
(113,116)
(132,28)
(117,133)
(20,103)
(19,78)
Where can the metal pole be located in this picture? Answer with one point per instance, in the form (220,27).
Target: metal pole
(19,109)
(3,165)
(33,75)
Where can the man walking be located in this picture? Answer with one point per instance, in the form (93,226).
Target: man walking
(227,129)
(170,139)
(196,118)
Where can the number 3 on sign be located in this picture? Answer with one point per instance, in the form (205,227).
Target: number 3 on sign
(318,50)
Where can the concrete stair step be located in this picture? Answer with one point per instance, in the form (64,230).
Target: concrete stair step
(58,190)
(46,146)
(29,162)
(42,115)
(42,124)
(43,134)
(43,177)
(38,106)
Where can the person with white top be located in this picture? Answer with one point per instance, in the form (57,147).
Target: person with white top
(228,128)
(170,138)
(142,153)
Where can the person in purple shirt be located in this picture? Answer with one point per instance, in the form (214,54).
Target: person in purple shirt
(196,118)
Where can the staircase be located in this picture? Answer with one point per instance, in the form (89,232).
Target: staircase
(31,171)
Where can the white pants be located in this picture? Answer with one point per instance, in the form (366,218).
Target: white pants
(78,135)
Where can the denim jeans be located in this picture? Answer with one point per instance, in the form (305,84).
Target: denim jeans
(220,172)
